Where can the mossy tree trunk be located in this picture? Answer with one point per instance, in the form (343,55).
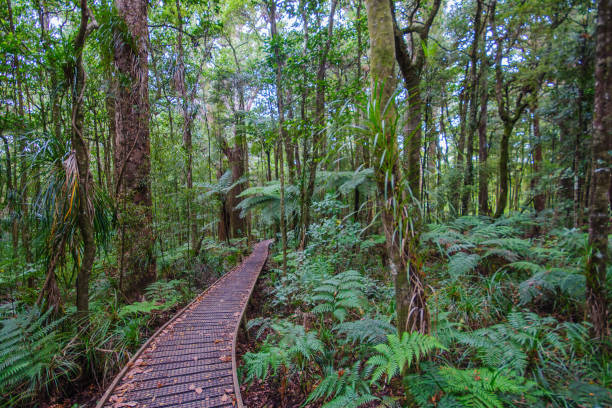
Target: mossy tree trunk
(136,260)
(80,148)
(599,211)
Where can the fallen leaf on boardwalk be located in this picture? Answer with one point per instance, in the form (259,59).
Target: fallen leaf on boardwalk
(228,390)
(225,359)
(224,398)
(153,399)
(125,404)
(160,384)
(218,341)
(198,390)
(191,387)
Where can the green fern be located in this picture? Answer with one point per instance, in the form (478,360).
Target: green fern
(137,308)
(366,330)
(397,354)
(267,199)
(263,363)
(290,346)
(549,283)
(342,383)
(482,387)
(350,399)
(477,387)
(31,357)
(462,264)
(339,294)
(525,341)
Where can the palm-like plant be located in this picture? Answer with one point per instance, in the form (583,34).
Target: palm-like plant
(56,209)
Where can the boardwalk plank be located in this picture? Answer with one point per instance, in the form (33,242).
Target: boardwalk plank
(190,362)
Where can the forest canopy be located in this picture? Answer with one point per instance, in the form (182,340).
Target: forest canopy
(435,174)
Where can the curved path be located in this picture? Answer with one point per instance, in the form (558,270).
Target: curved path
(190,361)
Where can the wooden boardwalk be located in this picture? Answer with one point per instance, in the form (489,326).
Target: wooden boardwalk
(191,361)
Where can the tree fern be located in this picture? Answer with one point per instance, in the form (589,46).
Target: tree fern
(266,198)
(397,354)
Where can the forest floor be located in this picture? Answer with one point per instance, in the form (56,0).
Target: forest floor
(266,393)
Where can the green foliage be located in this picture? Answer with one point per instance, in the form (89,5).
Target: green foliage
(346,387)
(526,339)
(266,199)
(477,387)
(365,330)
(339,294)
(136,308)
(33,356)
(290,347)
(397,354)
(169,293)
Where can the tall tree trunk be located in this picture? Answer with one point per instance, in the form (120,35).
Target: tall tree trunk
(601,145)
(504,157)
(507,117)
(319,126)
(179,83)
(539,200)
(468,179)
(132,152)
(19,105)
(483,148)
(411,301)
(81,152)
(281,126)
(411,305)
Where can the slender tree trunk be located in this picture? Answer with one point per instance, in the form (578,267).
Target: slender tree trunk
(81,152)
(508,118)
(319,125)
(281,127)
(483,148)
(601,145)
(179,83)
(504,157)
(411,305)
(132,152)
(539,199)
(468,179)
(239,159)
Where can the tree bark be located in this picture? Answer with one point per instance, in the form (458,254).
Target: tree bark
(137,264)
(483,148)
(411,301)
(281,126)
(81,152)
(319,126)
(468,179)
(508,118)
(601,144)
(539,200)
(411,307)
